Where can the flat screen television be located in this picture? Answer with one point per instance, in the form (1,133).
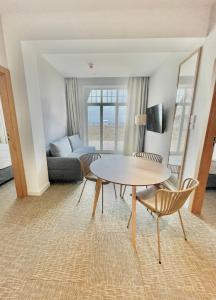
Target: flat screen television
(155,118)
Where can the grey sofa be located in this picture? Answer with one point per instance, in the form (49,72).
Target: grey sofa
(63,159)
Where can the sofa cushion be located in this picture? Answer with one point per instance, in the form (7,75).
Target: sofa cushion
(75,142)
(75,154)
(48,152)
(61,148)
(85,149)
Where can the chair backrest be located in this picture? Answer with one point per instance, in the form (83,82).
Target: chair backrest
(167,202)
(189,183)
(151,156)
(173,182)
(86,160)
(175,169)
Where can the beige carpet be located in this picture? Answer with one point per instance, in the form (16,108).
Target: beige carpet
(51,249)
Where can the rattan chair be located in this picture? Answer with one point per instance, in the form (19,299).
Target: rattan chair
(163,202)
(147,155)
(86,160)
(175,169)
(151,156)
(172,183)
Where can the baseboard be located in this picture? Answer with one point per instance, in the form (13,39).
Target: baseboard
(40,192)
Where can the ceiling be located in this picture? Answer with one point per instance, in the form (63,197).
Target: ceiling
(112,57)
(107,65)
(81,19)
(136,45)
(35,6)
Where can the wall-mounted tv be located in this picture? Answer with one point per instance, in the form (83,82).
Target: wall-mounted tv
(155,118)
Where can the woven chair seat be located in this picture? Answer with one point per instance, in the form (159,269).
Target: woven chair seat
(90,176)
(147,197)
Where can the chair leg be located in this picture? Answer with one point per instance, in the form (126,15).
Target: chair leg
(81,192)
(124,191)
(102,198)
(158,238)
(150,212)
(121,190)
(182,225)
(115,190)
(128,224)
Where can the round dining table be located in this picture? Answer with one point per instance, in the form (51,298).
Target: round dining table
(129,171)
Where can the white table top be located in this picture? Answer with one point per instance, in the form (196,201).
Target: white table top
(128,170)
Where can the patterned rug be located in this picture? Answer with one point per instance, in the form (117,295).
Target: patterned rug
(52,249)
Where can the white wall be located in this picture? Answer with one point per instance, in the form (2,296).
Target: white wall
(212,20)
(122,23)
(3,60)
(3,63)
(33,165)
(102,82)
(52,92)
(162,89)
(33,141)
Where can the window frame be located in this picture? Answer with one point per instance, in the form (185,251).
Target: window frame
(101,104)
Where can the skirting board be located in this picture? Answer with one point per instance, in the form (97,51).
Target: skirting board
(40,192)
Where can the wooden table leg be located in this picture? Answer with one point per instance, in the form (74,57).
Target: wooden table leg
(133,218)
(97,193)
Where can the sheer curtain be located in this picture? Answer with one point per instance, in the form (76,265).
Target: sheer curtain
(134,139)
(73,109)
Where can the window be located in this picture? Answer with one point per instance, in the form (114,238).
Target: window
(182,115)
(106,118)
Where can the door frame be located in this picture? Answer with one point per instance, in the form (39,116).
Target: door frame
(206,158)
(9,112)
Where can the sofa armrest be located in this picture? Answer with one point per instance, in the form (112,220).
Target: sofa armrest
(63,163)
(64,169)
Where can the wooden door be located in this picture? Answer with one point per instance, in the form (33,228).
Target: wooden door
(12,132)
(206,158)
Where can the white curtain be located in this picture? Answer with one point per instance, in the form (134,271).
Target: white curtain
(73,111)
(84,112)
(137,103)
(3,132)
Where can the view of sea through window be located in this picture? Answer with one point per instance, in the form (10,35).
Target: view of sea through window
(106,118)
